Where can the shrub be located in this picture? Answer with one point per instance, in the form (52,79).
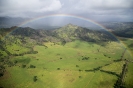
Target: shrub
(23,66)
(80,76)
(32,66)
(1,74)
(35,78)
(77,66)
(58,68)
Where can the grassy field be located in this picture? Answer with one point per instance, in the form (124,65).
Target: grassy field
(128,42)
(70,66)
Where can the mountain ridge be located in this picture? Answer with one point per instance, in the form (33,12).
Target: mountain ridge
(68,33)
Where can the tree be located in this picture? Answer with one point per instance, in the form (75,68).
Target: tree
(32,66)
(58,68)
(23,66)
(35,78)
(77,66)
(80,76)
(1,74)
(63,42)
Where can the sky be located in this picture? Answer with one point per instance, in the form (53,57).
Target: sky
(98,10)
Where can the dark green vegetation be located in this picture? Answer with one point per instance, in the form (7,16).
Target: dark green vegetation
(68,57)
(123,29)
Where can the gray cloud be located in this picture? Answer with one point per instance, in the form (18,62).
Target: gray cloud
(107,9)
(21,7)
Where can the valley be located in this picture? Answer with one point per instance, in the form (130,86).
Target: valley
(68,57)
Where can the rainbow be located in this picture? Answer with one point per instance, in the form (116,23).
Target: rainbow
(63,15)
(67,15)
(70,16)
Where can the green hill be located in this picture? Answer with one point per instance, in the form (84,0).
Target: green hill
(73,32)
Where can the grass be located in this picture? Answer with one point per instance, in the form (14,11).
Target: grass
(16,49)
(129,76)
(67,57)
(128,42)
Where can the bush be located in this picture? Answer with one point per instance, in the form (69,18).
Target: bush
(77,66)
(58,68)
(1,74)
(80,70)
(23,66)
(32,66)
(85,58)
(15,62)
(80,76)
(35,78)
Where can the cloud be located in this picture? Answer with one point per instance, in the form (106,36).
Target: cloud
(91,6)
(86,8)
(13,7)
(106,4)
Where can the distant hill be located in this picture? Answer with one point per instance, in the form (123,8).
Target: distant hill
(6,22)
(72,32)
(121,29)
(118,25)
(66,33)
(124,33)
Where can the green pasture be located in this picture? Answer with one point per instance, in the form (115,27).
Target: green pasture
(128,42)
(58,66)
(129,76)
(16,49)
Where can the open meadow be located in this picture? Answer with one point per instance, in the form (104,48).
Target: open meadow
(76,64)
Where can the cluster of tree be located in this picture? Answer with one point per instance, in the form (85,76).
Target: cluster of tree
(80,70)
(1,59)
(106,64)
(28,52)
(109,72)
(2,70)
(4,31)
(118,60)
(32,66)
(1,74)
(4,49)
(131,45)
(23,66)
(63,42)
(10,63)
(124,33)
(94,69)
(120,81)
(35,78)
(85,58)
(106,56)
